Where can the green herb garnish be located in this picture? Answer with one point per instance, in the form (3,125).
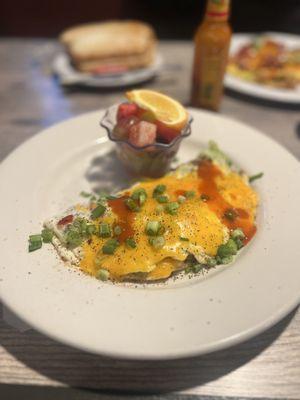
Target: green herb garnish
(227,249)
(172,208)
(102,274)
(35,242)
(184,239)
(98,211)
(110,246)
(157,242)
(104,230)
(131,204)
(159,189)
(130,242)
(47,235)
(254,177)
(139,195)
(117,230)
(153,228)
(162,198)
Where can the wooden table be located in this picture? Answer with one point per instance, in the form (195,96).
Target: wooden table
(267,366)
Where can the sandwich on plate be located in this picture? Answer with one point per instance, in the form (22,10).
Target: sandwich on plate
(111,46)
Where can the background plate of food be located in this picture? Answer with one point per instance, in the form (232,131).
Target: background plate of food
(108,54)
(265,65)
(193,313)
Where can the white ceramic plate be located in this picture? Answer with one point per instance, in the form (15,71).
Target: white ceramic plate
(254,89)
(68,75)
(182,318)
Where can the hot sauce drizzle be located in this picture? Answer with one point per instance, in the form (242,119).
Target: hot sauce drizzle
(208,172)
(125,217)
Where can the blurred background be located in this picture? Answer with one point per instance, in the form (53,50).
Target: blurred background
(172,19)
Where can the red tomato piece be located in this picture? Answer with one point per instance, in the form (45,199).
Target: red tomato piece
(66,220)
(142,134)
(164,133)
(126,110)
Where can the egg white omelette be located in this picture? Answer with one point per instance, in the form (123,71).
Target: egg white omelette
(195,217)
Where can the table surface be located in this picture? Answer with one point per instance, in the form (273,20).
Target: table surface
(267,366)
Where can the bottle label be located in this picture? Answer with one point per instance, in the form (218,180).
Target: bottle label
(217,10)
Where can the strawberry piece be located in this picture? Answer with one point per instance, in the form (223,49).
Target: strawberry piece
(126,110)
(166,134)
(142,134)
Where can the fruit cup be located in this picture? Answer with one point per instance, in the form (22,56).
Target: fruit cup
(152,160)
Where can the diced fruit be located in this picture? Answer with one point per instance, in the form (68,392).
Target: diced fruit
(166,134)
(165,109)
(126,110)
(121,130)
(142,134)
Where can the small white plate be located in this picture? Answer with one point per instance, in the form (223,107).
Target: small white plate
(68,75)
(160,321)
(255,89)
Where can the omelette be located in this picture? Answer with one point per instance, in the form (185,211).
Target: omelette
(194,218)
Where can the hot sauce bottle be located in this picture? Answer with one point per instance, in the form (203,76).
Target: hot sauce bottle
(212,42)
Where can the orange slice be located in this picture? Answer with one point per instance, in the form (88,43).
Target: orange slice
(165,109)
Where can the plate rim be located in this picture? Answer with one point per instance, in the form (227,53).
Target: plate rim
(221,344)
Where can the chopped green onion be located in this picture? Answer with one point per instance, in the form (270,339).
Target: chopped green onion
(139,195)
(104,230)
(117,230)
(197,268)
(110,246)
(152,228)
(172,208)
(181,199)
(85,194)
(103,274)
(254,177)
(98,211)
(237,234)
(227,260)
(91,229)
(162,198)
(111,197)
(157,242)
(189,194)
(34,246)
(204,197)
(230,214)
(211,262)
(131,204)
(73,238)
(227,249)
(47,235)
(159,189)
(130,242)
(35,242)
(184,239)
(239,243)
(35,238)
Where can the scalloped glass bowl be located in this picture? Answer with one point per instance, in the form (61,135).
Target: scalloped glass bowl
(148,161)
